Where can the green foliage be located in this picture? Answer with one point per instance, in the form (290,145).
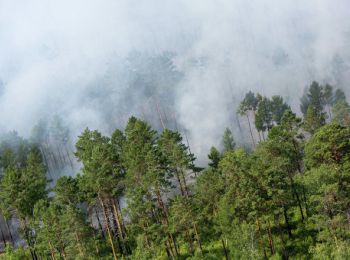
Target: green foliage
(228,140)
(314,119)
(22,187)
(288,198)
(331,144)
(341,113)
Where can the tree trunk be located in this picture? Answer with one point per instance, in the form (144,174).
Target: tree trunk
(24,226)
(225,249)
(70,160)
(3,237)
(285,214)
(52,251)
(160,116)
(80,247)
(260,233)
(272,248)
(250,129)
(99,221)
(166,221)
(197,237)
(120,229)
(190,242)
(108,228)
(9,231)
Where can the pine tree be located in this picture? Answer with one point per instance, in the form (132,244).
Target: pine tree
(147,179)
(341,112)
(228,140)
(263,118)
(20,188)
(278,108)
(314,119)
(247,106)
(328,98)
(101,176)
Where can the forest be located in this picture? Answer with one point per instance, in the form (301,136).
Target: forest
(139,193)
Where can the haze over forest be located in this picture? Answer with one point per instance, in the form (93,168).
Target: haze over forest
(95,63)
(189,129)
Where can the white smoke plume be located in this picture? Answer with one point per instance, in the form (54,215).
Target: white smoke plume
(56,55)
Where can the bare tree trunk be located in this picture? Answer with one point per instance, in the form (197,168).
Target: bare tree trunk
(120,230)
(108,228)
(160,116)
(166,221)
(250,129)
(99,222)
(68,155)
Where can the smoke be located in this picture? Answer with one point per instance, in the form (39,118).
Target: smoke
(72,58)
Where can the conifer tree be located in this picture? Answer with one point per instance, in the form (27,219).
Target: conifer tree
(247,106)
(228,140)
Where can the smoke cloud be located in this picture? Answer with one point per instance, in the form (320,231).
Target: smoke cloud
(72,58)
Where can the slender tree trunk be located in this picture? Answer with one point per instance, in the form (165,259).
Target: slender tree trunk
(115,229)
(60,156)
(9,231)
(99,222)
(26,235)
(166,221)
(225,249)
(68,155)
(185,187)
(46,162)
(190,242)
(167,250)
(120,230)
(197,237)
(180,183)
(272,247)
(297,197)
(3,237)
(160,116)
(286,220)
(260,233)
(121,221)
(52,251)
(80,245)
(63,253)
(250,130)
(108,229)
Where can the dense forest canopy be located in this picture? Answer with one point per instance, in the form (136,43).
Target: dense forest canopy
(162,129)
(140,195)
